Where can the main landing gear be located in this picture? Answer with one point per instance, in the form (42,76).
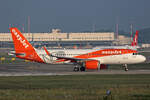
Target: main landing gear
(79,68)
(125,67)
(76,68)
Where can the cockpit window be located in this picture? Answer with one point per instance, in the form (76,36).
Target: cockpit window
(134,53)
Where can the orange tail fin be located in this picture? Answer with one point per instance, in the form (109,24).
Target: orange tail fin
(23,48)
(20,42)
(135,39)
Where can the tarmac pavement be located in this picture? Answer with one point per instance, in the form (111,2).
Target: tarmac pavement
(35,69)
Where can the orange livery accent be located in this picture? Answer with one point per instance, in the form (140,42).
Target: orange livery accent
(23,48)
(106,52)
(46,51)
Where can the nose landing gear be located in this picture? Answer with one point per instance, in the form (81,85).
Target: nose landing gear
(125,67)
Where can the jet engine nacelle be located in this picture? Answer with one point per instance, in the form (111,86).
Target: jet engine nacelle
(92,64)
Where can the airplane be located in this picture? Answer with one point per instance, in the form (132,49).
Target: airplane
(83,59)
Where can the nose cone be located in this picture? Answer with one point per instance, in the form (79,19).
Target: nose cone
(142,58)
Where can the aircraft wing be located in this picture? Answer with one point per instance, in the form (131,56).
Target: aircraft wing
(72,58)
(66,58)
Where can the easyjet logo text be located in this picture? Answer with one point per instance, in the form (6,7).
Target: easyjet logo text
(111,52)
(20,38)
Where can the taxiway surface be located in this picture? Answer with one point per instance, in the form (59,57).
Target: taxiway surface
(35,69)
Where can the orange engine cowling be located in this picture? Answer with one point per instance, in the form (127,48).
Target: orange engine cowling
(92,64)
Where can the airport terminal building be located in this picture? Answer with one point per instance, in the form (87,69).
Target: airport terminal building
(58,39)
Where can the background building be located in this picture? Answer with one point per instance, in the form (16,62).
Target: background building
(57,38)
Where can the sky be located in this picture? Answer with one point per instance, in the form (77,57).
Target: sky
(74,15)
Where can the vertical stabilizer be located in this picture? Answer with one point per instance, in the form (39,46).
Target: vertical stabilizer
(23,48)
(135,39)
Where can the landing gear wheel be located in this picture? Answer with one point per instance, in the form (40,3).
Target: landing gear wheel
(125,67)
(82,69)
(76,69)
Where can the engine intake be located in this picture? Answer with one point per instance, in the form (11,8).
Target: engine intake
(92,64)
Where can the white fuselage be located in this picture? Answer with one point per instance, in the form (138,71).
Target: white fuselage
(128,58)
